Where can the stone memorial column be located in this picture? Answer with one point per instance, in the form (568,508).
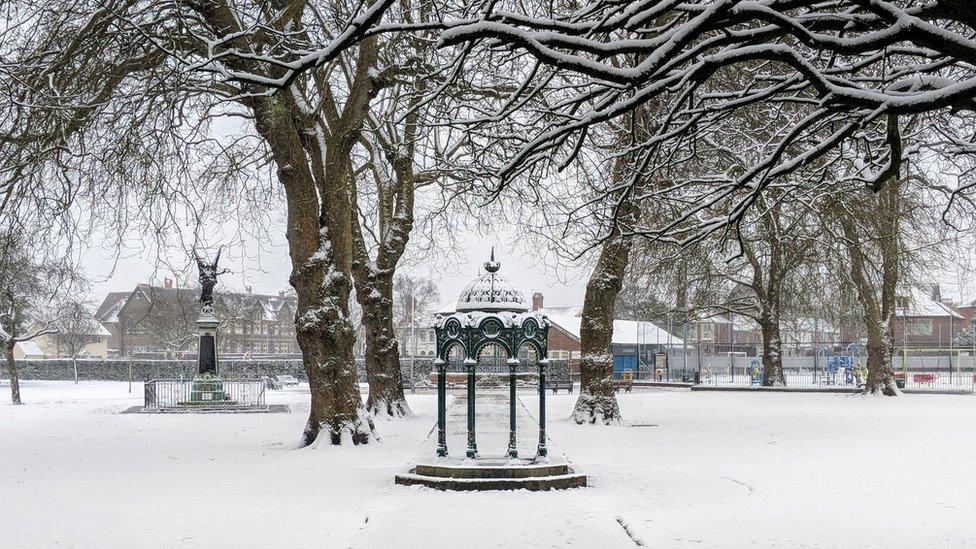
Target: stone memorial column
(207,385)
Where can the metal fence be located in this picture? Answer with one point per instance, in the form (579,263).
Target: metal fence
(420,371)
(177,394)
(913,371)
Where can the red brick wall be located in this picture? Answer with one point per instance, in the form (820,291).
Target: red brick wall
(939,336)
(559,340)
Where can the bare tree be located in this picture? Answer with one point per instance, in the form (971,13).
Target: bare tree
(28,284)
(76,330)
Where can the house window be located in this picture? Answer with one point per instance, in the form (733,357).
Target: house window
(918,326)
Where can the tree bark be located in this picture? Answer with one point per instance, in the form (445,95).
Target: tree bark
(597,402)
(382,349)
(319,242)
(772,359)
(12,372)
(374,281)
(312,153)
(877,316)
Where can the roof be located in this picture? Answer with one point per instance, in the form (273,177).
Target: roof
(108,311)
(571,310)
(922,305)
(625,332)
(115,302)
(30,349)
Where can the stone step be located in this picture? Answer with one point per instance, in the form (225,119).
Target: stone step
(479,469)
(535,484)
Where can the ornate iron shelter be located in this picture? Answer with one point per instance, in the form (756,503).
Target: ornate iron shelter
(490,310)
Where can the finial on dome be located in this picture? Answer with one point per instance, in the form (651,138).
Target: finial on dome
(491,265)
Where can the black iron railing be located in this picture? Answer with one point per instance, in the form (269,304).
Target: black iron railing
(176,394)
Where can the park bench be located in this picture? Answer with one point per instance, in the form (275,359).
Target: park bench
(924,378)
(286,380)
(270,383)
(556,385)
(625,384)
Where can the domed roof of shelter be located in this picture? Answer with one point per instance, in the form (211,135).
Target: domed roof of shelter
(491,292)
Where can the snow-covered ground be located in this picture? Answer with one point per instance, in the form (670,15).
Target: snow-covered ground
(684,469)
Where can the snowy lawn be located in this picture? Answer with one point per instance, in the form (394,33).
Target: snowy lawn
(704,470)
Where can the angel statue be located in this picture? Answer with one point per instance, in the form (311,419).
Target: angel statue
(208,277)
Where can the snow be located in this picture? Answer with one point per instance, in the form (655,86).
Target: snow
(921,305)
(683,469)
(30,349)
(625,332)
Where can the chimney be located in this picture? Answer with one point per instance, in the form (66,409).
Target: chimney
(936,293)
(167,282)
(537,301)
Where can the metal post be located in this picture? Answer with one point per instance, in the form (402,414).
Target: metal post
(684,347)
(441,366)
(732,346)
(543,452)
(816,347)
(413,330)
(472,451)
(512,448)
(950,348)
(698,334)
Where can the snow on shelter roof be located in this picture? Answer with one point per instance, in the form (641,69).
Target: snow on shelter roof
(625,332)
(491,292)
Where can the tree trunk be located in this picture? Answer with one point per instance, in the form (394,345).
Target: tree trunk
(772,358)
(382,350)
(374,282)
(74,366)
(12,372)
(318,232)
(597,401)
(879,349)
(876,320)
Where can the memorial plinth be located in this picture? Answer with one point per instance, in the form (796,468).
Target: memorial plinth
(207,388)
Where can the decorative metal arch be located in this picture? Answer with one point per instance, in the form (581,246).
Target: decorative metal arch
(473,331)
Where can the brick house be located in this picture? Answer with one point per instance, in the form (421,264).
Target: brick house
(159,320)
(924,321)
(635,343)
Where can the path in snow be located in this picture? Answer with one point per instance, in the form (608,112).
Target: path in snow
(420,517)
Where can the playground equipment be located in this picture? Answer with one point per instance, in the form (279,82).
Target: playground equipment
(848,364)
(836,364)
(755,373)
(706,376)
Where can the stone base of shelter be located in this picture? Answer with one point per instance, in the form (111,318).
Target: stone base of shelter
(493,473)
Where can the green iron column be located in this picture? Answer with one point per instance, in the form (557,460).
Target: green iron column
(441,366)
(512,449)
(472,451)
(543,452)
